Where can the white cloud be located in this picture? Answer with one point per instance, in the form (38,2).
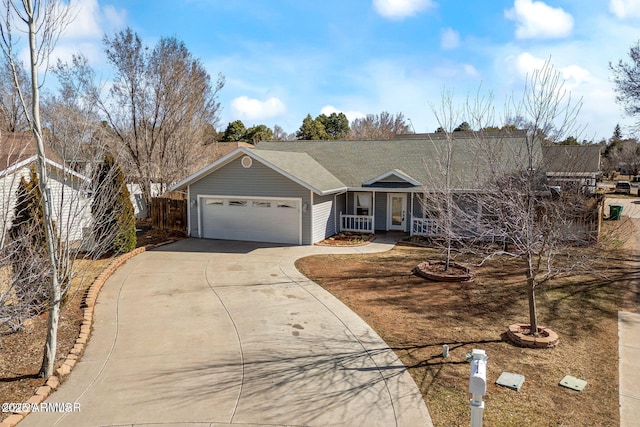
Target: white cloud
(536,19)
(84,33)
(114,18)
(351,115)
(625,8)
(449,39)
(573,75)
(526,64)
(471,70)
(398,9)
(254,109)
(85,20)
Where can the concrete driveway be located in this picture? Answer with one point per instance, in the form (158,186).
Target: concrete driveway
(215,333)
(629,333)
(630,206)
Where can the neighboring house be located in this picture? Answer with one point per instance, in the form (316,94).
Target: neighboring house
(301,192)
(573,166)
(140,209)
(69,195)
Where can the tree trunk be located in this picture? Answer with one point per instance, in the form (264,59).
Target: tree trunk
(531,295)
(49,358)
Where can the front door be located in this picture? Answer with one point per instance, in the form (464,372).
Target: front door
(397,215)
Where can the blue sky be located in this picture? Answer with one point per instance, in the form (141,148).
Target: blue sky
(284,59)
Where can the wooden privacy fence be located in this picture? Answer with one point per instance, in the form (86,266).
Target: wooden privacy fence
(169,214)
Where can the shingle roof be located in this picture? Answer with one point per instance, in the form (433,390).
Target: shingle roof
(572,159)
(329,166)
(356,162)
(16,147)
(304,168)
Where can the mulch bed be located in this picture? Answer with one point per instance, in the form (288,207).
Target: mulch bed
(348,239)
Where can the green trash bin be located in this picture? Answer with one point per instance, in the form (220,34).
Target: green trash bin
(615,212)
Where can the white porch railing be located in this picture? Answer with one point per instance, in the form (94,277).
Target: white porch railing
(361,223)
(425,227)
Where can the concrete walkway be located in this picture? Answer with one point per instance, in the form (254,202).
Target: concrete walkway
(629,334)
(214,333)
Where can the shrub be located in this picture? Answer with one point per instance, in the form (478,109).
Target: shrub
(28,248)
(115,224)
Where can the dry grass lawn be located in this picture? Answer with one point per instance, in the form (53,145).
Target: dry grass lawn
(416,317)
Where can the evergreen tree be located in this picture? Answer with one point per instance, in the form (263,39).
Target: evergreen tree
(29,251)
(236,131)
(463,127)
(312,129)
(258,133)
(115,224)
(617,133)
(336,125)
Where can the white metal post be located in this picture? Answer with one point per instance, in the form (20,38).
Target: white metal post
(478,385)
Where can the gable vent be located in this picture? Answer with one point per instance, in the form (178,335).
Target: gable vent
(246,162)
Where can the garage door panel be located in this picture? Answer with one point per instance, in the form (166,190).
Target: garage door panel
(263,220)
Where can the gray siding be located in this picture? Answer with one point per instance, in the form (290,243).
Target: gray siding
(323,217)
(257,181)
(380,212)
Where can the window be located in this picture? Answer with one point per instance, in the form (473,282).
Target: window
(261,204)
(286,205)
(217,202)
(237,203)
(363,204)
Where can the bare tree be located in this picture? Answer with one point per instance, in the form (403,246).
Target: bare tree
(64,194)
(42,21)
(624,157)
(71,120)
(441,198)
(12,118)
(379,126)
(159,107)
(626,78)
(510,211)
(83,231)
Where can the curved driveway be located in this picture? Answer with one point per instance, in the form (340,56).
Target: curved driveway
(215,333)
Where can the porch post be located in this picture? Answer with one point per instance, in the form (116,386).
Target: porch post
(411,216)
(373,212)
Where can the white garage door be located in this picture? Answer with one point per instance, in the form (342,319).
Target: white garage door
(252,219)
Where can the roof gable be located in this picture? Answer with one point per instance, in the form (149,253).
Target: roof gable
(26,162)
(298,167)
(393,176)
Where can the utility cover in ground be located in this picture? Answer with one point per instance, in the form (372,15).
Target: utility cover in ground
(573,383)
(510,380)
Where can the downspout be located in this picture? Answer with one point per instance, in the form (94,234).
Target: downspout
(189,211)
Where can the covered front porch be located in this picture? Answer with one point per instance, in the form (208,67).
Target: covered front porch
(371,211)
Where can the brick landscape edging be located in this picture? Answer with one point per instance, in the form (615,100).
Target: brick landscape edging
(85,332)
